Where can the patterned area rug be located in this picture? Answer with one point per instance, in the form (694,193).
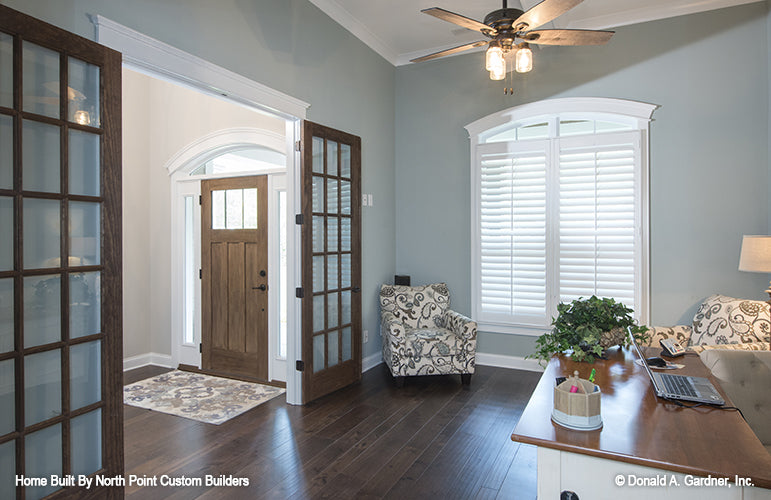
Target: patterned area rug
(208,399)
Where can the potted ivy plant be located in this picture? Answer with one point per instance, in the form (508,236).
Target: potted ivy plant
(587,327)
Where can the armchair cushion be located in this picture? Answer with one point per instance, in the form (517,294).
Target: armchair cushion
(727,320)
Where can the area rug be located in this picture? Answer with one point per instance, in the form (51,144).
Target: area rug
(208,399)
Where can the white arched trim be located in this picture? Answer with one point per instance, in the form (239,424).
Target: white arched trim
(220,142)
(637,113)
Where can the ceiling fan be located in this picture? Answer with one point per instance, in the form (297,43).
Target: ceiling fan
(505,26)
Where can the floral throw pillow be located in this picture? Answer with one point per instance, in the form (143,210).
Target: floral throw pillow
(727,320)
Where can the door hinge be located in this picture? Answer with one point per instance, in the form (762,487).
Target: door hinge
(298,219)
(200,348)
(299,292)
(200,274)
(200,199)
(298,145)
(299,366)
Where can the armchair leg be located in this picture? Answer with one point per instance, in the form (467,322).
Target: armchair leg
(399,382)
(465,378)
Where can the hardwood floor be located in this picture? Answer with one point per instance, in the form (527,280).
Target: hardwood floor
(432,438)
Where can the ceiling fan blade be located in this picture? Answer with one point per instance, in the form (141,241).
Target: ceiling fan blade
(544,12)
(567,37)
(451,17)
(454,50)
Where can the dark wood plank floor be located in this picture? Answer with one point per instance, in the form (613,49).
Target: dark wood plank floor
(431,439)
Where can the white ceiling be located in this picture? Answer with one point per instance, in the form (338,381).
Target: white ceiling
(398,31)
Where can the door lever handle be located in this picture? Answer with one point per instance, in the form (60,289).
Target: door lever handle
(261,287)
(356,289)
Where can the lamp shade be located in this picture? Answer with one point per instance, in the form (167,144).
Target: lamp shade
(756,254)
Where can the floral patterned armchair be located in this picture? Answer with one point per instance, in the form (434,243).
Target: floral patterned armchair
(422,336)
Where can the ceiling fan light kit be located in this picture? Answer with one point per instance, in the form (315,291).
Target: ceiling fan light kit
(505,26)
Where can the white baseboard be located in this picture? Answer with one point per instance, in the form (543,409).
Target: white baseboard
(501,361)
(372,361)
(150,358)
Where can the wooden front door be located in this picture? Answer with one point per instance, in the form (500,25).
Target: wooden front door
(61,378)
(331,250)
(234,274)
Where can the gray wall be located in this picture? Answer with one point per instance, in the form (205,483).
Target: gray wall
(709,165)
(293,47)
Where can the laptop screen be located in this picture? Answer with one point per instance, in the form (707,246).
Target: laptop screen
(642,359)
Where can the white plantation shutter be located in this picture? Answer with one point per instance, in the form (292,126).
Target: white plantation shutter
(512,227)
(557,220)
(598,199)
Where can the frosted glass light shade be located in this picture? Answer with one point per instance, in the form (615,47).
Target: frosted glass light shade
(493,57)
(498,73)
(756,254)
(523,61)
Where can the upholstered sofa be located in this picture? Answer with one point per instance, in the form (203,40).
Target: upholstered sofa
(422,335)
(733,338)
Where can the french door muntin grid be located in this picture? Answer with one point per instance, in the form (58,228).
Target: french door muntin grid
(67,268)
(338,209)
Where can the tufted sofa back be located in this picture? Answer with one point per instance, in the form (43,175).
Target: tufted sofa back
(416,306)
(746,377)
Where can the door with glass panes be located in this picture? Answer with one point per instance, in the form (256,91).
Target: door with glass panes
(331,239)
(60,259)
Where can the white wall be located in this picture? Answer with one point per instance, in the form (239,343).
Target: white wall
(160,119)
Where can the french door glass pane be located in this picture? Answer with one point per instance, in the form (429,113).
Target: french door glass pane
(332,282)
(318,273)
(84,163)
(332,342)
(318,155)
(345,197)
(345,270)
(332,223)
(6,244)
(40,157)
(40,77)
(345,299)
(6,72)
(6,151)
(318,353)
(42,310)
(317,194)
(86,443)
(41,233)
(346,343)
(43,458)
(7,400)
(6,315)
(85,374)
(331,158)
(318,313)
(83,92)
(345,234)
(345,160)
(8,469)
(85,243)
(332,196)
(318,233)
(332,310)
(85,304)
(42,387)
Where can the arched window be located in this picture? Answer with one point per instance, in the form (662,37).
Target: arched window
(559,209)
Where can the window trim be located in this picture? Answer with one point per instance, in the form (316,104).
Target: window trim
(638,115)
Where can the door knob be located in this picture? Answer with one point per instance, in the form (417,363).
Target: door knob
(261,287)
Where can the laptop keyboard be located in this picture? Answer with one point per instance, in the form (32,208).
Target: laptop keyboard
(675,384)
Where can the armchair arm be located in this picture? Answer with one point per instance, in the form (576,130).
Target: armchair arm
(392,328)
(460,325)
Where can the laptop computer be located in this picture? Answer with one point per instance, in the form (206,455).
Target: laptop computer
(679,387)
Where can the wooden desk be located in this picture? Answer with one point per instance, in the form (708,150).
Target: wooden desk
(642,436)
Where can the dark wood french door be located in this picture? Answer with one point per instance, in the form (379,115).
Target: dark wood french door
(331,260)
(234,286)
(61,380)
